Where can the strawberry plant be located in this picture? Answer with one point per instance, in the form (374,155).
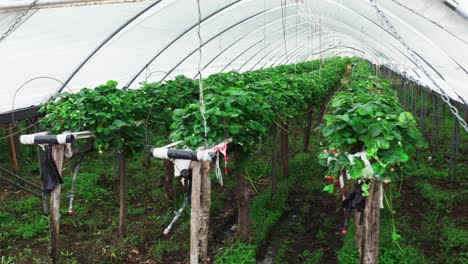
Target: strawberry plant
(110,113)
(118,118)
(368,117)
(244,106)
(239,105)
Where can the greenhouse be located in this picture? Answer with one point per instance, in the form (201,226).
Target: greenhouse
(233,131)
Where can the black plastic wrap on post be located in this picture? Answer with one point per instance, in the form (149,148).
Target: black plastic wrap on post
(52,139)
(355,199)
(50,176)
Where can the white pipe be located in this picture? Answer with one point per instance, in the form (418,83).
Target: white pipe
(462,9)
(173,144)
(18,5)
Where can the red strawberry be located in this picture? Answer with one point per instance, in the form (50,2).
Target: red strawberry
(344,232)
(329,178)
(336,182)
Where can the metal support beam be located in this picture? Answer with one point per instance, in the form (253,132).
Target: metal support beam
(214,37)
(19,5)
(250,47)
(304,34)
(175,40)
(103,43)
(244,36)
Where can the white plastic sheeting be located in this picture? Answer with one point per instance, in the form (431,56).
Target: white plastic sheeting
(157,40)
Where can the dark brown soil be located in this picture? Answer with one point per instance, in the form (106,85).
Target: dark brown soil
(316,230)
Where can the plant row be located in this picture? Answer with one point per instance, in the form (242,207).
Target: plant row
(367,132)
(238,105)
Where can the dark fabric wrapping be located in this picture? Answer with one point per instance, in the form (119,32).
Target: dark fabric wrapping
(355,200)
(50,176)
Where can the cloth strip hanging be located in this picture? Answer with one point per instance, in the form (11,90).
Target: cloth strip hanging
(50,177)
(223,149)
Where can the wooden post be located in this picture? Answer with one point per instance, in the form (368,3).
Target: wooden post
(200,212)
(57,155)
(123,196)
(146,158)
(11,143)
(357,228)
(323,108)
(16,140)
(205,203)
(115,157)
(285,150)
(195,213)
(243,200)
(306,140)
(369,251)
(45,203)
(274,160)
(168,180)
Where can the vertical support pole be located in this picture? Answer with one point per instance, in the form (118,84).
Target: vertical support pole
(307,129)
(168,180)
(440,112)
(357,228)
(444,114)
(285,150)
(11,143)
(323,107)
(195,213)
(403,94)
(115,157)
(423,111)
(123,196)
(45,203)
(369,251)
(407,92)
(243,200)
(398,90)
(433,124)
(205,204)
(452,171)
(274,160)
(457,146)
(244,207)
(16,139)
(57,155)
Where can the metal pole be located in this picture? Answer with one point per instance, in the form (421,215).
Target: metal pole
(19,5)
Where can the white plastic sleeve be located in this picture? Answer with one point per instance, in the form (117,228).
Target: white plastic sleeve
(203,155)
(160,153)
(27,139)
(62,138)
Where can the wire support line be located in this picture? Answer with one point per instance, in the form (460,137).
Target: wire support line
(200,78)
(283,14)
(27,82)
(19,131)
(413,54)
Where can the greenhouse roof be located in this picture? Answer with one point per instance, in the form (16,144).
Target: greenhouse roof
(50,46)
